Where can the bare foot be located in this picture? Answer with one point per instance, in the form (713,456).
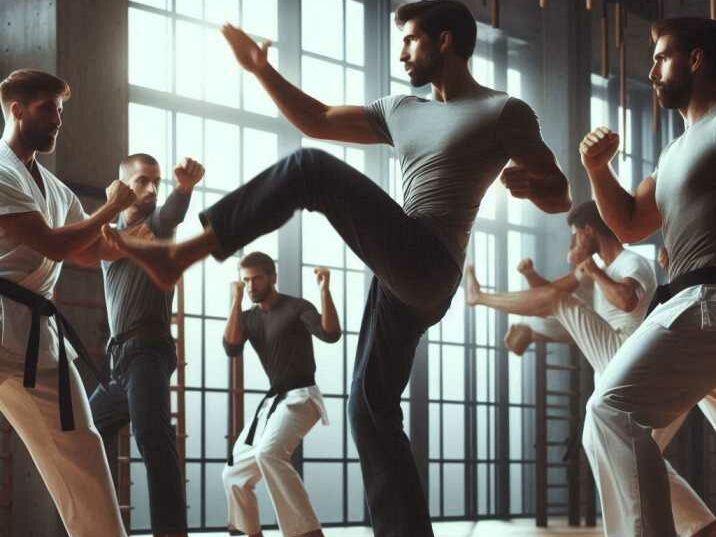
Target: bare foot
(472,286)
(155,257)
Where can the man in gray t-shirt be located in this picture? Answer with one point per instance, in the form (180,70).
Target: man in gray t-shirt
(667,366)
(451,148)
(141,347)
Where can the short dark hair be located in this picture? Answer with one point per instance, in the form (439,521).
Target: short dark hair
(143,158)
(24,85)
(587,214)
(436,16)
(690,33)
(258,260)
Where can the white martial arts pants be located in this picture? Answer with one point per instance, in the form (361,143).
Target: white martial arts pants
(270,458)
(72,464)
(599,343)
(661,371)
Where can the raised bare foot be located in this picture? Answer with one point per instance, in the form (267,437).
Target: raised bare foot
(472,286)
(155,257)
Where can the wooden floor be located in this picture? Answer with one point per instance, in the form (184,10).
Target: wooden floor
(488,528)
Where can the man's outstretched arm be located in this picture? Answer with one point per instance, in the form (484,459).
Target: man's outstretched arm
(310,116)
(61,243)
(537,302)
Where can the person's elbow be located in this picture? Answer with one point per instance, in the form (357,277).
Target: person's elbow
(629,303)
(333,336)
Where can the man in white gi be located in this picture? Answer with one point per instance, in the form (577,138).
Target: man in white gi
(667,366)
(279,328)
(41,224)
(622,292)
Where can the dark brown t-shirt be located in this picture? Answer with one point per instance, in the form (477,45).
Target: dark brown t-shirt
(281,337)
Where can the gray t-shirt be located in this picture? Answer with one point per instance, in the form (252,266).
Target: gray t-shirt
(281,337)
(450,153)
(686,196)
(132,298)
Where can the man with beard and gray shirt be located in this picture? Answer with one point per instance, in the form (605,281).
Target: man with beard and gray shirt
(141,347)
(667,365)
(451,149)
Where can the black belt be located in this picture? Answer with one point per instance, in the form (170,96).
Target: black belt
(151,331)
(40,306)
(664,293)
(280,394)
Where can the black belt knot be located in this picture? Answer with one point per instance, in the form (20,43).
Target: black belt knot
(39,306)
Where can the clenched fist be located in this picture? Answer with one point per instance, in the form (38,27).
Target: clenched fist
(250,56)
(323,277)
(188,173)
(598,148)
(588,267)
(237,291)
(525,266)
(119,195)
(519,181)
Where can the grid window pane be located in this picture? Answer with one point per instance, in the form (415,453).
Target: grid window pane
(322,27)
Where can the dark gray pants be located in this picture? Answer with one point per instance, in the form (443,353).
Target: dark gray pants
(415,278)
(139,393)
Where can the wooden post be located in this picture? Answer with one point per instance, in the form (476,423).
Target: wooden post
(713,9)
(541,434)
(495,12)
(543,3)
(588,5)
(605,40)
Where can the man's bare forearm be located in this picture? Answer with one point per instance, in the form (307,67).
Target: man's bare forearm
(233,333)
(329,316)
(615,204)
(620,294)
(65,241)
(302,110)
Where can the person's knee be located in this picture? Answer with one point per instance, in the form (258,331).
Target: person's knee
(557,298)
(310,158)
(237,478)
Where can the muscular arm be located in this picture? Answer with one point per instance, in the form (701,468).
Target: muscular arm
(310,116)
(621,294)
(549,188)
(59,243)
(330,323)
(233,333)
(631,217)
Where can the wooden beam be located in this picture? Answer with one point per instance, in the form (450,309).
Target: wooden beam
(588,5)
(543,3)
(713,9)
(495,13)
(605,39)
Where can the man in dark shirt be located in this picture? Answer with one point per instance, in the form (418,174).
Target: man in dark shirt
(279,328)
(141,345)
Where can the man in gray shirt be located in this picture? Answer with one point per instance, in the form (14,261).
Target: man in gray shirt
(141,347)
(450,148)
(667,365)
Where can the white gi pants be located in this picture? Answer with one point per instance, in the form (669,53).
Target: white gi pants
(599,343)
(270,458)
(72,464)
(664,369)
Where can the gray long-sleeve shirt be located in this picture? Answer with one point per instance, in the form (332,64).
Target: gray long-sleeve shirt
(132,299)
(281,337)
